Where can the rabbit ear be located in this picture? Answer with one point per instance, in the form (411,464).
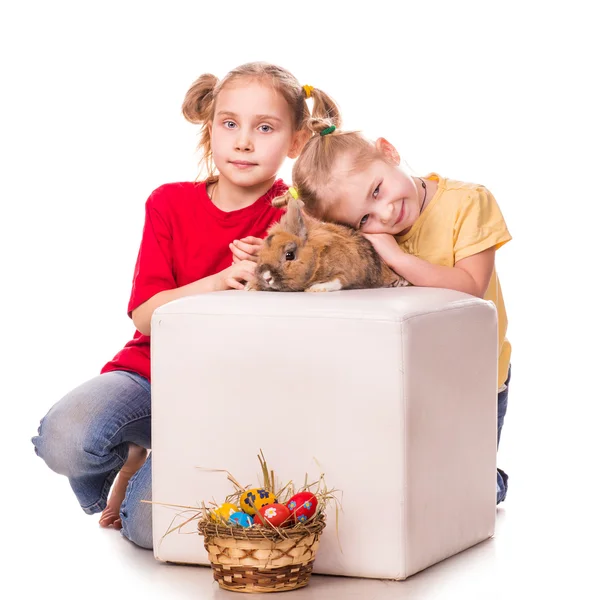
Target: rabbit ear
(294,219)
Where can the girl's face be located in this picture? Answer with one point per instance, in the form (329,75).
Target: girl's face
(379,198)
(252,132)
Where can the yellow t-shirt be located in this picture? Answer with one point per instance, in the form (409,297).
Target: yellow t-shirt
(463,219)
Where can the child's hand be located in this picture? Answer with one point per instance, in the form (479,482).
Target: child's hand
(385,245)
(235,276)
(246,249)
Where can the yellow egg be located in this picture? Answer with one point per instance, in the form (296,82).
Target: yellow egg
(225,511)
(255,499)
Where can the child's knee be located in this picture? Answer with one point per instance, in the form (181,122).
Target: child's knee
(67,440)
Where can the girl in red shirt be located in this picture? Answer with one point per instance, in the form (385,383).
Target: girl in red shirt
(198,237)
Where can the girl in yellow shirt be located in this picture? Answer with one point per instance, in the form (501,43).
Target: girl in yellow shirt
(435,232)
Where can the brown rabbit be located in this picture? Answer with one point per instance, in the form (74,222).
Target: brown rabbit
(303,254)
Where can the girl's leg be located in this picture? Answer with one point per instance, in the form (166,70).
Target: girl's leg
(136,516)
(501,476)
(135,460)
(86,436)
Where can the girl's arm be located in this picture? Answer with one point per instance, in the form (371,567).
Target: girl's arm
(230,278)
(470,275)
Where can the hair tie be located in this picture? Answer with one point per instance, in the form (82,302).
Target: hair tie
(330,129)
(293,193)
(308,90)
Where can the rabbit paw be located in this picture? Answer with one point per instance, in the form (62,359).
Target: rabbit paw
(326,286)
(401,282)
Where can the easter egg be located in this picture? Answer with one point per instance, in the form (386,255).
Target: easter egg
(255,499)
(241,519)
(276,514)
(302,506)
(224,511)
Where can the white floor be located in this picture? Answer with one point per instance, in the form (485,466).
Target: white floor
(545,545)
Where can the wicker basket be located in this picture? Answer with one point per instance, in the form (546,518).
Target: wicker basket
(262,559)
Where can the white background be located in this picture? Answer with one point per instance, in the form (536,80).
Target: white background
(504,94)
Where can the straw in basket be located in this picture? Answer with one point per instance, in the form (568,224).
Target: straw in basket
(265,558)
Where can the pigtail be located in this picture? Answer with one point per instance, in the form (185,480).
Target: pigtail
(325,107)
(315,158)
(197,104)
(197,107)
(283,200)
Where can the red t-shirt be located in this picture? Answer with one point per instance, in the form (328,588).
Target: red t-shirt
(186,237)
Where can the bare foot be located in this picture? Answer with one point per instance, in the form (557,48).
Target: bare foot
(135,459)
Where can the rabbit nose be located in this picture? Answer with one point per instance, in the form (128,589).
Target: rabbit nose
(266,275)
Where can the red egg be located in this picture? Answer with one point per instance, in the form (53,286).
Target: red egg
(303,506)
(276,514)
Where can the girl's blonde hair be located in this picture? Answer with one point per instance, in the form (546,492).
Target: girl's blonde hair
(199,103)
(313,169)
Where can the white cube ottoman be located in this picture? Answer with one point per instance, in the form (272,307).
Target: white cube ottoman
(392,391)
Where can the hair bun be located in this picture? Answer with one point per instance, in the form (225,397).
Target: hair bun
(198,98)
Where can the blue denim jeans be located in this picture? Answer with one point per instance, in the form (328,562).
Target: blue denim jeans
(86,436)
(501,476)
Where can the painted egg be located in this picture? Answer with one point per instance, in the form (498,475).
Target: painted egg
(241,519)
(276,514)
(255,499)
(224,511)
(303,506)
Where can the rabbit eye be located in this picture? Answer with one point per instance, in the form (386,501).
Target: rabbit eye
(290,255)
